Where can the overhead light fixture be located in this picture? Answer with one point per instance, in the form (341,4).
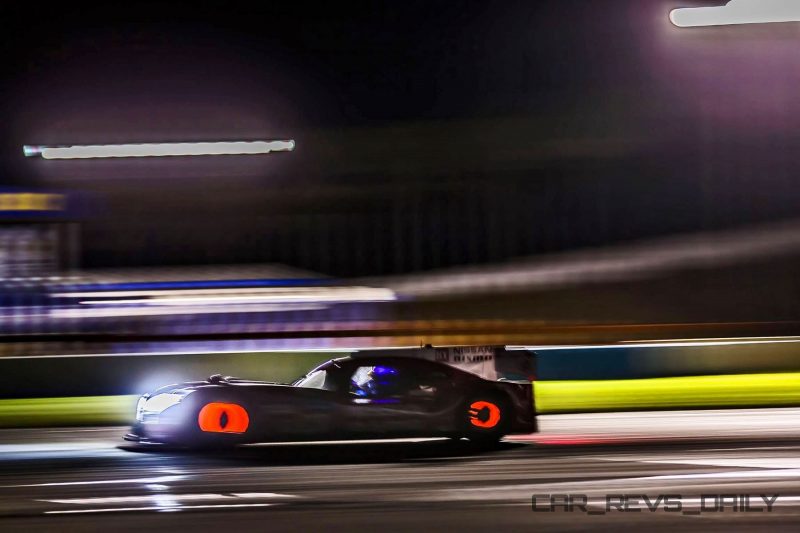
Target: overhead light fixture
(236,296)
(737,12)
(158,149)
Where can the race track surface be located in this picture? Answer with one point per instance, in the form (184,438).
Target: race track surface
(80,479)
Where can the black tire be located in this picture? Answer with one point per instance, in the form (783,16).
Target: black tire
(477,424)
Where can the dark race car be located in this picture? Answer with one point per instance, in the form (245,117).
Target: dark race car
(348,398)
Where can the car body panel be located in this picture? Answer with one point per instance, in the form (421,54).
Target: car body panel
(414,398)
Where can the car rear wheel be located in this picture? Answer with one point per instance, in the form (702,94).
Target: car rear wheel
(485,419)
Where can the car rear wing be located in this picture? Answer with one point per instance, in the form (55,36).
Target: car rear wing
(494,363)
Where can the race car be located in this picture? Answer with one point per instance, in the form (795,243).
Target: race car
(374,397)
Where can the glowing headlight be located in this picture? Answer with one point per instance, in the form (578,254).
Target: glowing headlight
(155,405)
(140,407)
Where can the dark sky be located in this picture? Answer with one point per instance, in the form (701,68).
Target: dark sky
(429,133)
(309,64)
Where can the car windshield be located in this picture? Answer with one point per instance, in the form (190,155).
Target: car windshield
(316,379)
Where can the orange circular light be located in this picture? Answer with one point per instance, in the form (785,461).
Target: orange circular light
(484,414)
(223,418)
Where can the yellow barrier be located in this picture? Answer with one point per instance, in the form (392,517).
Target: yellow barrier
(80,411)
(745,390)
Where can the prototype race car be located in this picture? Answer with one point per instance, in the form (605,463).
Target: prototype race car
(348,398)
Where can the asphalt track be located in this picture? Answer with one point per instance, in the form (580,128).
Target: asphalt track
(80,479)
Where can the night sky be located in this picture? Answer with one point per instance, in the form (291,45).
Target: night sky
(429,134)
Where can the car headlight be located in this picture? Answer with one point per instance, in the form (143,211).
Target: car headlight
(148,406)
(140,406)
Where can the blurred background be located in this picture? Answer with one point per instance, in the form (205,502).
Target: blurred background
(580,176)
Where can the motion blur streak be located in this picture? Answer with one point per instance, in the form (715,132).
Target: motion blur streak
(160,508)
(619,262)
(738,12)
(142,480)
(312,296)
(180,310)
(715,339)
(740,390)
(664,344)
(159,149)
(190,352)
(148,498)
(700,425)
(267,294)
(210,301)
